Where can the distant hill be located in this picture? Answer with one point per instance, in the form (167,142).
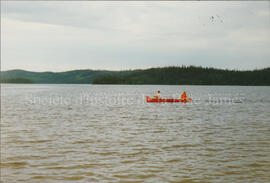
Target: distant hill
(189,76)
(69,77)
(164,75)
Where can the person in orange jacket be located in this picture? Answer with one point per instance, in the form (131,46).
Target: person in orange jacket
(184,96)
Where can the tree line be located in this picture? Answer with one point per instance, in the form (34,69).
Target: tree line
(190,75)
(16,80)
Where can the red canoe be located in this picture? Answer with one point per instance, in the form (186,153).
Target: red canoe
(148,99)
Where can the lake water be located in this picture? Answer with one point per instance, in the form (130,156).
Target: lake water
(107,133)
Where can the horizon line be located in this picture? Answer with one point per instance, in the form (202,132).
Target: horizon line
(155,67)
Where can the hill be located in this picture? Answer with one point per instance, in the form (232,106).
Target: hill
(164,75)
(189,76)
(69,77)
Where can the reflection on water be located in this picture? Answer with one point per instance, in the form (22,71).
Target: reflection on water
(91,133)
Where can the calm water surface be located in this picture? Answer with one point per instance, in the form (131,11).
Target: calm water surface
(107,133)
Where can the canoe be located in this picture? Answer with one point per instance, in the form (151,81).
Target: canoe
(148,99)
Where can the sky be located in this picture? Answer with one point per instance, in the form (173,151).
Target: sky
(60,36)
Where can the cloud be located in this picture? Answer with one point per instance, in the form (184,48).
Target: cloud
(122,35)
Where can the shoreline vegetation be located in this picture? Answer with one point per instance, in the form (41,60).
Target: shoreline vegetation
(184,75)
(17,80)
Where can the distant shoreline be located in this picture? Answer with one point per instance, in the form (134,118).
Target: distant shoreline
(185,75)
(121,84)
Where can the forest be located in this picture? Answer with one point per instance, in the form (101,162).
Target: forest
(188,76)
(172,75)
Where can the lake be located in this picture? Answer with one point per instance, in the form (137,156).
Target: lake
(108,133)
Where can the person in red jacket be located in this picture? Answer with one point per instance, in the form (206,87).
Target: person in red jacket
(184,96)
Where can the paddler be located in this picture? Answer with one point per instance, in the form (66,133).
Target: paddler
(158,95)
(184,96)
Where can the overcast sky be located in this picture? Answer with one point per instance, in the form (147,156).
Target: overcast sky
(60,36)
